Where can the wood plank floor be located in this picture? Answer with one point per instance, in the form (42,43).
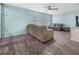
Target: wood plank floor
(27,45)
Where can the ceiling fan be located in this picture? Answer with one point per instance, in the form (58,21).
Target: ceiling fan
(51,8)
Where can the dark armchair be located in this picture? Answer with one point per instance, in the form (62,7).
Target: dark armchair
(58,26)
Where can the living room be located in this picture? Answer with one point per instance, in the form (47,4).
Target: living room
(39,28)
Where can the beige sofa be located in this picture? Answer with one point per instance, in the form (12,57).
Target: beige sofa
(40,32)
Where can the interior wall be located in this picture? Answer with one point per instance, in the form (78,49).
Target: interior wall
(0,20)
(16,20)
(67,18)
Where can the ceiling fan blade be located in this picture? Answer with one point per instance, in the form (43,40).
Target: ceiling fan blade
(54,9)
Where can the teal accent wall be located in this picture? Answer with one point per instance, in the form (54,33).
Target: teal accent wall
(57,18)
(0,20)
(67,18)
(16,20)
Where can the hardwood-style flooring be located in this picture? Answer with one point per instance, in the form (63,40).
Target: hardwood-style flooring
(27,45)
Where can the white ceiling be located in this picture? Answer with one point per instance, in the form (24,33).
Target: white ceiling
(63,7)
